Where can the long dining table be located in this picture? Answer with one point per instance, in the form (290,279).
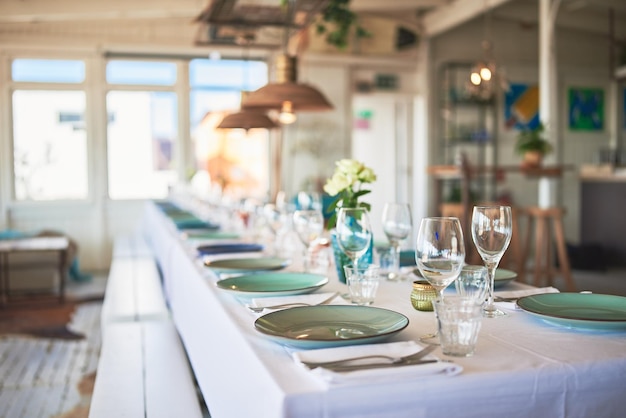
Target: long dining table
(522,367)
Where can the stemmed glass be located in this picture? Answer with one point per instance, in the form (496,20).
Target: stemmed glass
(491,233)
(354,232)
(439,253)
(275,219)
(397,226)
(309,225)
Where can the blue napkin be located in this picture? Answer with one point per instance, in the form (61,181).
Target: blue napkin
(194,223)
(238,247)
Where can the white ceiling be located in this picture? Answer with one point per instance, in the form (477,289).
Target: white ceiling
(430,17)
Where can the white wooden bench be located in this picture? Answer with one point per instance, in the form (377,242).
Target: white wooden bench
(132,245)
(143,372)
(143,369)
(134,291)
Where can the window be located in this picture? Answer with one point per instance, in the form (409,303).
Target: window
(141,138)
(48,71)
(142,134)
(235,159)
(49,137)
(49,145)
(141,73)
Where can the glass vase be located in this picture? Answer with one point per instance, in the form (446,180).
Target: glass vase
(341,259)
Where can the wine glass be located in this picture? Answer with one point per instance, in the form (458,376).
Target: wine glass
(275,219)
(309,225)
(354,232)
(397,226)
(439,253)
(491,233)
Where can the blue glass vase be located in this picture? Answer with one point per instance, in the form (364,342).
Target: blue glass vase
(341,259)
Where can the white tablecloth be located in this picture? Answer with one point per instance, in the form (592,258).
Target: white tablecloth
(523,367)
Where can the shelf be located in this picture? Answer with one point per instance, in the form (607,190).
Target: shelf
(454,172)
(466,128)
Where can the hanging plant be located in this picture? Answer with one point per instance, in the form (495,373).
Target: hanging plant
(336,22)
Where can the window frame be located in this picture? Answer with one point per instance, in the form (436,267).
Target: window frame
(13,86)
(179,150)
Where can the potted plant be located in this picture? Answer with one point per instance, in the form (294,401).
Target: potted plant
(532,146)
(346,184)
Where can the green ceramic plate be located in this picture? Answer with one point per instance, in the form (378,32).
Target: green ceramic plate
(578,310)
(246,265)
(503,277)
(273,284)
(209,234)
(330,325)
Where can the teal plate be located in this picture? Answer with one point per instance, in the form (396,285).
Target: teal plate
(331,325)
(578,310)
(246,265)
(273,284)
(503,277)
(210,234)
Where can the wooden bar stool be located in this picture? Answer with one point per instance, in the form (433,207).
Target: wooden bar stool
(541,218)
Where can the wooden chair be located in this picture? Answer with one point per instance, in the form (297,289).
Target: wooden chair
(539,222)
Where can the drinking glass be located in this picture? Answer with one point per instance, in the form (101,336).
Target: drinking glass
(309,225)
(354,232)
(491,233)
(275,219)
(362,283)
(473,283)
(309,200)
(439,253)
(397,226)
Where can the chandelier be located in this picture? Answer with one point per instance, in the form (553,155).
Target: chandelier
(486,78)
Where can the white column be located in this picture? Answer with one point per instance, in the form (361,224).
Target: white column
(548,92)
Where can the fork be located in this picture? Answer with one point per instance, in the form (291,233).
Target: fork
(393,360)
(259,309)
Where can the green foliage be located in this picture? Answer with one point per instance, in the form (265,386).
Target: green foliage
(336,23)
(532,140)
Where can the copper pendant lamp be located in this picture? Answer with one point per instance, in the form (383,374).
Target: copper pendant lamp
(285,94)
(247,119)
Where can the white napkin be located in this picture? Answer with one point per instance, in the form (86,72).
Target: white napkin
(310,298)
(521,293)
(396,349)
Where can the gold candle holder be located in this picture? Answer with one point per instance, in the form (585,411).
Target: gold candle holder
(422,295)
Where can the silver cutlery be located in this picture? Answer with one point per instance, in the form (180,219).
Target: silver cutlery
(344,363)
(259,309)
(354,367)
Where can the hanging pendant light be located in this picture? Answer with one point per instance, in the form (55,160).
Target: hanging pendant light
(286,95)
(247,118)
(485,76)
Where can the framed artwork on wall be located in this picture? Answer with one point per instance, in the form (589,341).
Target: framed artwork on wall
(521,106)
(586,109)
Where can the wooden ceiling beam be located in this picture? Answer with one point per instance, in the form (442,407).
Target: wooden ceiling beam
(18,11)
(455,13)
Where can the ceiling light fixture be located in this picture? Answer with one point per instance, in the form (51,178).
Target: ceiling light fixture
(286,95)
(485,77)
(247,118)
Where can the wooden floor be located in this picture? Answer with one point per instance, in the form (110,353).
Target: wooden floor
(39,377)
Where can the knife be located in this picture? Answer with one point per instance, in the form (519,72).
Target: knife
(411,358)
